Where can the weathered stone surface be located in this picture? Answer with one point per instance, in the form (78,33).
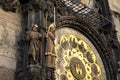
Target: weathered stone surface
(115,7)
(117,23)
(10,29)
(7,62)
(6,74)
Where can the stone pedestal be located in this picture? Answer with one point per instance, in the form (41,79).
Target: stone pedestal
(118,74)
(50,74)
(34,72)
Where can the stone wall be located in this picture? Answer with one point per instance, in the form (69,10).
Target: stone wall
(9,34)
(115,8)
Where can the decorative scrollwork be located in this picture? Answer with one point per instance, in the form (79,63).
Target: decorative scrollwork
(77,68)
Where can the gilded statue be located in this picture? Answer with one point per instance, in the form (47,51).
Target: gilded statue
(35,43)
(50,45)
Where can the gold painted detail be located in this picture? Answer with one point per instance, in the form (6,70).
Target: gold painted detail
(76,60)
(49,53)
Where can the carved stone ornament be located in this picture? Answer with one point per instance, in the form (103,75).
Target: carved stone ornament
(9,5)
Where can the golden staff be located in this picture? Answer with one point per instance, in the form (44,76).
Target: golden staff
(54,15)
(46,20)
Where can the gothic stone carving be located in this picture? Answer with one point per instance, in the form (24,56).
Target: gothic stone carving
(35,43)
(9,5)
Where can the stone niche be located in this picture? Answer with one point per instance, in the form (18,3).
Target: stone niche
(10,29)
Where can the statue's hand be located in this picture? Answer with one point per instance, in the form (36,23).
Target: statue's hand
(44,34)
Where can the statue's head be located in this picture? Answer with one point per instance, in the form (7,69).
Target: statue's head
(35,27)
(52,27)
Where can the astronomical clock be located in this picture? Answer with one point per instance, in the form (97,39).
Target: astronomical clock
(77,58)
(85,40)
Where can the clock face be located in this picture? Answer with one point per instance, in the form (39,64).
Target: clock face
(77,58)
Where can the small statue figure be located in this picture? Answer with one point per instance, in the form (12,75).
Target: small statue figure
(50,46)
(35,43)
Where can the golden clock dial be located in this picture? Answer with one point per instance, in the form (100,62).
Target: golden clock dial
(77,58)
